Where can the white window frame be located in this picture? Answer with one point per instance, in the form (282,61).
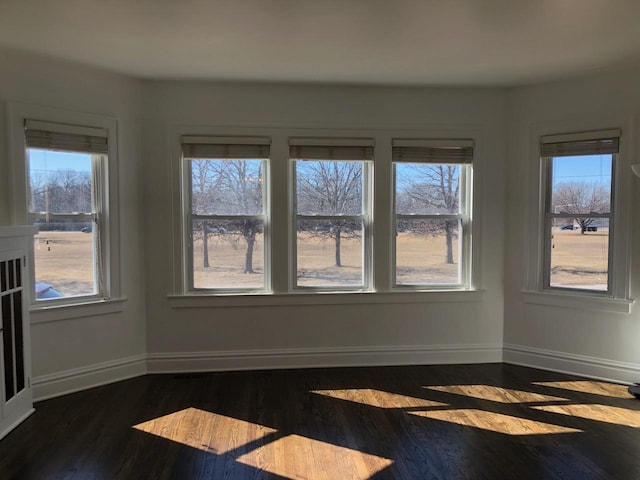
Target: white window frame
(188,216)
(464,215)
(617,299)
(281,219)
(549,216)
(366,217)
(106,199)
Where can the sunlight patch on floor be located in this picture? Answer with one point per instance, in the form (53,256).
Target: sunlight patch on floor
(378,398)
(203,430)
(495,394)
(300,458)
(495,422)
(600,413)
(588,386)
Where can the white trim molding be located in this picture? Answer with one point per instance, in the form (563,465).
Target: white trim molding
(578,300)
(591,367)
(83,378)
(270,359)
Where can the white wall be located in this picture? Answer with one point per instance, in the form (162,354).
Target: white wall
(328,334)
(579,339)
(76,353)
(79,352)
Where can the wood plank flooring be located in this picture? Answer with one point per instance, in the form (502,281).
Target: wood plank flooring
(473,422)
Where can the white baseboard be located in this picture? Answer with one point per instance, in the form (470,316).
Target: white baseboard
(321,357)
(592,367)
(77,379)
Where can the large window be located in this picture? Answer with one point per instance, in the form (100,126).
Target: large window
(332,213)
(66,168)
(579,210)
(432,200)
(226,214)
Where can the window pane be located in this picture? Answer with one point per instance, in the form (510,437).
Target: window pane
(329,253)
(581,184)
(227,187)
(228,254)
(65,265)
(60,182)
(427,189)
(428,252)
(329,187)
(580,254)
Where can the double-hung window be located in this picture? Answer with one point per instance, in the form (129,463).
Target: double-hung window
(578,198)
(432,213)
(226,222)
(332,213)
(66,168)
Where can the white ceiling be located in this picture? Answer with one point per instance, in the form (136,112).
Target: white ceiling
(395,42)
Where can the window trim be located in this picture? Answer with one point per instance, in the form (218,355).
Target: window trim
(366,217)
(187,215)
(18,113)
(465,215)
(618,299)
(281,223)
(548,217)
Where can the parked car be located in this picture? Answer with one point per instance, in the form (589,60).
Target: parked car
(45,290)
(566,227)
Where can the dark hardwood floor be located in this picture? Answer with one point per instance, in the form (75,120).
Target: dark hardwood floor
(425,422)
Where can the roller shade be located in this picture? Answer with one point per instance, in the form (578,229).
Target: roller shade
(51,136)
(605,142)
(433,151)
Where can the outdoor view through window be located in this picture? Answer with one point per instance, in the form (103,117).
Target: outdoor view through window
(429,216)
(330,221)
(578,218)
(62,205)
(227,223)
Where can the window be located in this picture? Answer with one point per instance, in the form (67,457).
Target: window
(67,179)
(332,213)
(432,206)
(579,191)
(226,213)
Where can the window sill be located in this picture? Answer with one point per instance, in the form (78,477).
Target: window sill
(321,298)
(55,313)
(577,301)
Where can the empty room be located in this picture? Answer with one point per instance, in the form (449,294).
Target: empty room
(356,239)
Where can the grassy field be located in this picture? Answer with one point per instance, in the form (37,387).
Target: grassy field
(579,260)
(64,259)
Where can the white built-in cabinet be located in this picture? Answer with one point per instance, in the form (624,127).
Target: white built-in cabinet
(16,398)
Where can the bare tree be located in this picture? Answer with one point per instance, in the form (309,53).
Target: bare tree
(331,188)
(204,197)
(579,198)
(433,188)
(227,188)
(241,184)
(60,191)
